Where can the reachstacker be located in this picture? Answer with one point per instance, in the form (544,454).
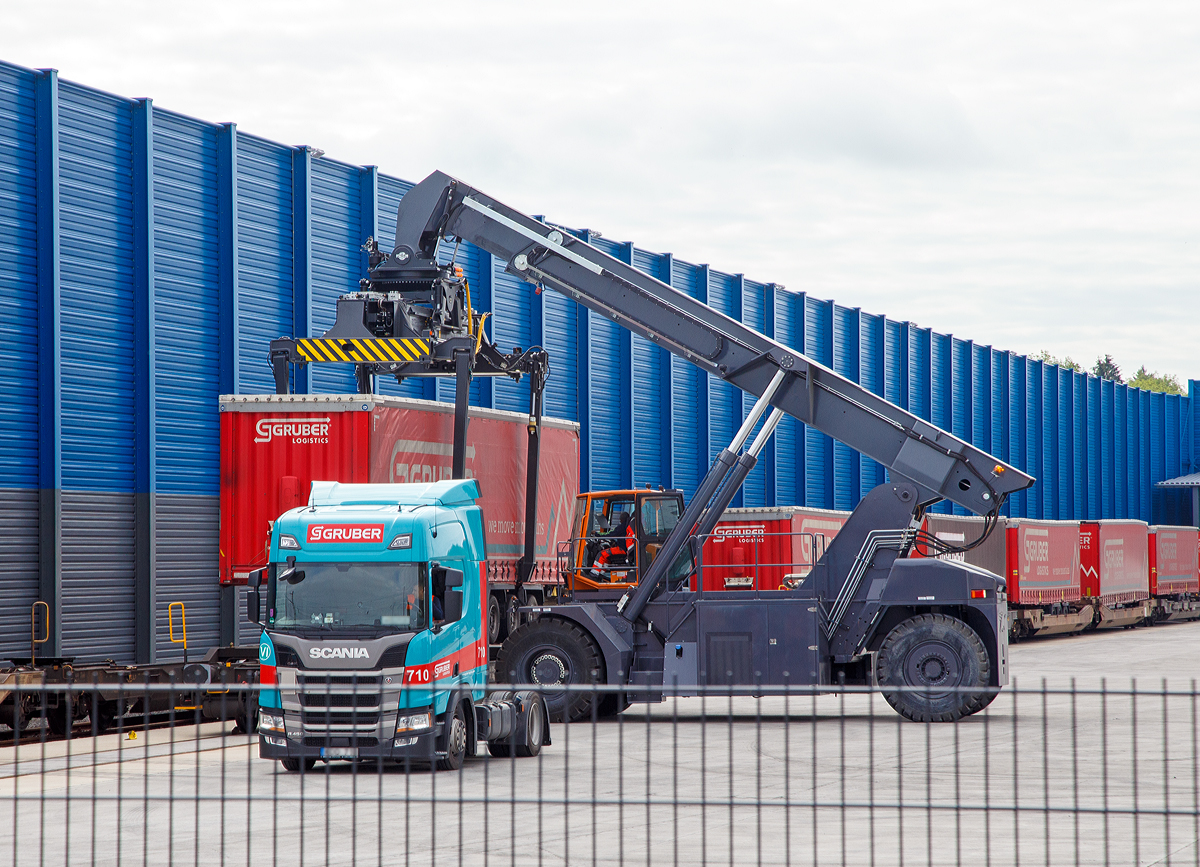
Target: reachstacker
(930,633)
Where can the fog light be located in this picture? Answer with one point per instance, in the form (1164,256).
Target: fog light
(414,723)
(276,742)
(404,742)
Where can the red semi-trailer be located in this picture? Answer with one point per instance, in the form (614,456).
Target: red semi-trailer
(1114,571)
(761,548)
(274,446)
(1042,569)
(1174,554)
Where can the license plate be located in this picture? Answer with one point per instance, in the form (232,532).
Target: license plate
(339,753)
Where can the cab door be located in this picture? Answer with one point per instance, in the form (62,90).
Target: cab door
(657,515)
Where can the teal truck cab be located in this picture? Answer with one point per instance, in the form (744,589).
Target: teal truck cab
(374,642)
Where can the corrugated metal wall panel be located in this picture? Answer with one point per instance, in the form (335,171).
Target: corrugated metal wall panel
(18,283)
(873,376)
(650,371)
(1079,446)
(19,373)
(336,258)
(186,261)
(1033,438)
(513,303)
(894,362)
(187,565)
(608,427)
(1066,447)
(562,342)
(98,615)
(688,386)
(754,314)
(97,290)
(941,393)
(920,372)
(264,185)
(724,401)
(1016,429)
(845,362)
(789,435)
(18,567)
(818,448)
(1000,405)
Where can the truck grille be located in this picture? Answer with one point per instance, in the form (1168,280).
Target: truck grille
(339,699)
(341,741)
(341,718)
(338,679)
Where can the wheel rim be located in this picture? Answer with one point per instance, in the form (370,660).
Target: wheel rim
(935,666)
(549,669)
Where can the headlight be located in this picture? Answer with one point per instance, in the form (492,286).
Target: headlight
(288,541)
(404,540)
(414,722)
(270,722)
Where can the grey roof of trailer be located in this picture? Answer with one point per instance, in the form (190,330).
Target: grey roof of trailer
(1191,480)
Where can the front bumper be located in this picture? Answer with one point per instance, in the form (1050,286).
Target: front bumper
(417,746)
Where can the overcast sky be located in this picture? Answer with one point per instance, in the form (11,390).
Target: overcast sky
(1023,174)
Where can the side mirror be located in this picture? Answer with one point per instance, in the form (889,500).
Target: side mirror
(255,578)
(253,606)
(452,605)
(447,577)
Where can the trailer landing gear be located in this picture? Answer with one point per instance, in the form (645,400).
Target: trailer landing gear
(941,662)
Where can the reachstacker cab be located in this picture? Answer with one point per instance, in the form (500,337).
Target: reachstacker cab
(615,536)
(374,642)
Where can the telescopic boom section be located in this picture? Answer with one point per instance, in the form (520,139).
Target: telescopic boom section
(940,464)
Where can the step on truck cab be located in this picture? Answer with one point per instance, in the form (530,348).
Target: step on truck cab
(374,642)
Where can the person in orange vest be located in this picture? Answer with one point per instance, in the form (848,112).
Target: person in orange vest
(628,550)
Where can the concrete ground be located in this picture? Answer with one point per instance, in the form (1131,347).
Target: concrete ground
(1044,776)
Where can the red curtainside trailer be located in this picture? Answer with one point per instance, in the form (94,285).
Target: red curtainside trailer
(1042,569)
(1114,570)
(761,548)
(273,447)
(1174,554)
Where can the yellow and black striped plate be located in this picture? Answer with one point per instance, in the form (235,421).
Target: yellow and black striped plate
(386,350)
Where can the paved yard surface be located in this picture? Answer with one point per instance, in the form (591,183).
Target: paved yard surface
(1099,775)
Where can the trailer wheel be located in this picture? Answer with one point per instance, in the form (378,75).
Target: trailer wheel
(293,765)
(496,630)
(551,654)
(943,659)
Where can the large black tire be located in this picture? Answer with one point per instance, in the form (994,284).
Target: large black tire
(551,653)
(454,742)
(293,765)
(943,662)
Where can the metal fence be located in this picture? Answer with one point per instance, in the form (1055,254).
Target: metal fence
(1044,775)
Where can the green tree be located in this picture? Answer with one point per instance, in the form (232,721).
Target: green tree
(1067,363)
(1106,368)
(1154,382)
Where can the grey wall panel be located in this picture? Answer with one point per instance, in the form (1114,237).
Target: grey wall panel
(186,556)
(98,563)
(18,568)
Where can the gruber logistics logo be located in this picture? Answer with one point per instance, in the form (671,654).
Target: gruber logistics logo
(345,532)
(300,430)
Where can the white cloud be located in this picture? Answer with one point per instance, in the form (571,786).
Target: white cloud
(1022,174)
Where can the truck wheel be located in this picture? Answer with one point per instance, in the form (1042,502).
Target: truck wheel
(496,625)
(943,659)
(293,765)
(456,742)
(553,653)
(535,732)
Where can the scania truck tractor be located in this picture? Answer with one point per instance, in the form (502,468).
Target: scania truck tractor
(374,642)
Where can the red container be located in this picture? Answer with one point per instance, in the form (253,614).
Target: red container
(1042,561)
(1174,569)
(757,548)
(273,447)
(1113,561)
(960,530)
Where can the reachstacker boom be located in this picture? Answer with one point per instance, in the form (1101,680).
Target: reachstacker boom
(931,633)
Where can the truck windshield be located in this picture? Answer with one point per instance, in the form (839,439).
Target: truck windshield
(380,597)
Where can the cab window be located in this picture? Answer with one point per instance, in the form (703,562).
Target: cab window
(659,516)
